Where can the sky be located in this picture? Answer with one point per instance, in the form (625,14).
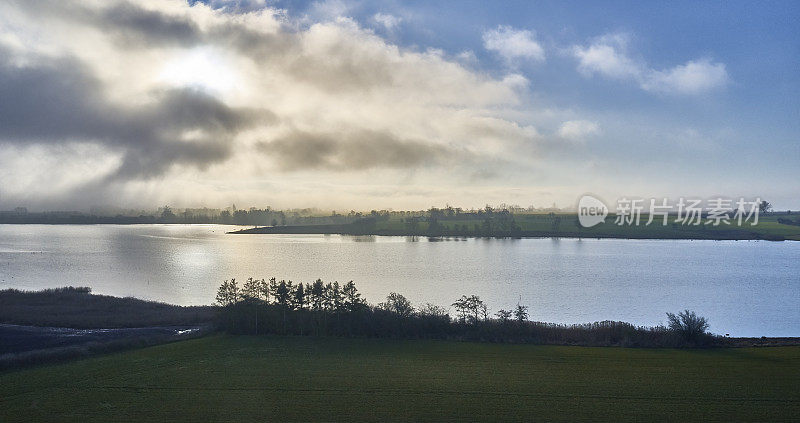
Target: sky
(395,105)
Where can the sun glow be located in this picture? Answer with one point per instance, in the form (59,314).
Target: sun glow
(201,68)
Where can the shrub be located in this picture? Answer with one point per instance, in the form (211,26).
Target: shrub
(689,325)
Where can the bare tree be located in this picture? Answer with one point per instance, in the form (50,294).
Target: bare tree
(433,310)
(471,308)
(398,304)
(688,324)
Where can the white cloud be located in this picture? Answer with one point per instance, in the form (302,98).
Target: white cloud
(238,5)
(467,57)
(608,57)
(326,10)
(512,44)
(578,130)
(390,22)
(694,77)
(516,81)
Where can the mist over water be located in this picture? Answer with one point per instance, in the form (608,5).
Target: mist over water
(745,288)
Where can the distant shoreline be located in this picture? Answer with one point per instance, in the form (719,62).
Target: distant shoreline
(717,234)
(356,231)
(444,223)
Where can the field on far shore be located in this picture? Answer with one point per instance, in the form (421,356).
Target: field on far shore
(239,378)
(562,225)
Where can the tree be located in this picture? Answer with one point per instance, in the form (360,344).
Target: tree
(240,217)
(299,301)
(462,308)
(352,298)
(764,207)
(471,308)
(521,313)
(399,304)
(233,291)
(273,287)
(327,297)
(222,294)
(688,324)
(228,293)
(290,292)
(317,299)
(482,310)
(282,294)
(337,297)
(251,290)
(263,289)
(432,310)
(167,214)
(504,315)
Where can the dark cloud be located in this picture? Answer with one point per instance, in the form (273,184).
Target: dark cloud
(59,100)
(138,26)
(355,150)
(123,21)
(129,25)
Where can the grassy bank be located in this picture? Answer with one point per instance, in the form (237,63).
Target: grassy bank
(550,225)
(79,308)
(230,378)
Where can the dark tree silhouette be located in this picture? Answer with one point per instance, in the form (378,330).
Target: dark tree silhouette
(222,294)
(299,301)
(433,311)
(688,324)
(317,295)
(352,298)
(521,313)
(398,304)
(504,315)
(282,294)
(328,309)
(471,309)
(251,290)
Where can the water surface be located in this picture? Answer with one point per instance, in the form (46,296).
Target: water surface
(745,288)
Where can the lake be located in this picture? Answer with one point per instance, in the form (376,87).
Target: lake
(744,288)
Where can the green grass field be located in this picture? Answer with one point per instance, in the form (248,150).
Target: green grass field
(227,378)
